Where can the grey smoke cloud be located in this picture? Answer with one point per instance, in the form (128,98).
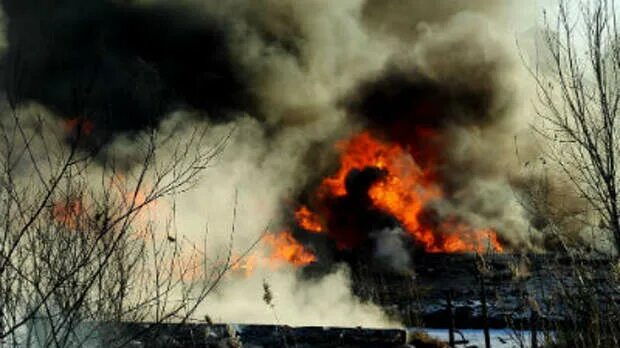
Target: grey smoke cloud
(391,249)
(314,72)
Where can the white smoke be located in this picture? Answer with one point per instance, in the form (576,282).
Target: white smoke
(324,301)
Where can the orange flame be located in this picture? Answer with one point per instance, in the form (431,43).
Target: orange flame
(403,193)
(246,264)
(308,220)
(462,238)
(282,249)
(285,248)
(76,213)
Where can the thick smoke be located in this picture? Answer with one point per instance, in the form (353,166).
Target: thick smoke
(118,65)
(451,102)
(289,79)
(392,251)
(326,301)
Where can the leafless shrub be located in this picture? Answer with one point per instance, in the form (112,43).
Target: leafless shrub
(579,94)
(78,246)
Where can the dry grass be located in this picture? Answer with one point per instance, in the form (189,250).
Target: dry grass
(421,339)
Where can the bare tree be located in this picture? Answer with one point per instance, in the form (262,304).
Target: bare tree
(578,85)
(579,90)
(77,246)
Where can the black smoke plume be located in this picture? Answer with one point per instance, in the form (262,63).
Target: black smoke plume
(120,66)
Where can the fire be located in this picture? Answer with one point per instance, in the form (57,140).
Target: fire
(81,213)
(308,220)
(246,264)
(280,249)
(462,238)
(285,248)
(402,192)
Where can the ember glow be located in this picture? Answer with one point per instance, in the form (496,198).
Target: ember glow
(403,192)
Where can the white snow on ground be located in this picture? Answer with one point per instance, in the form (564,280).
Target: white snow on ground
(500,338)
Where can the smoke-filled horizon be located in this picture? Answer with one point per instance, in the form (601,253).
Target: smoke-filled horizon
(444,83)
